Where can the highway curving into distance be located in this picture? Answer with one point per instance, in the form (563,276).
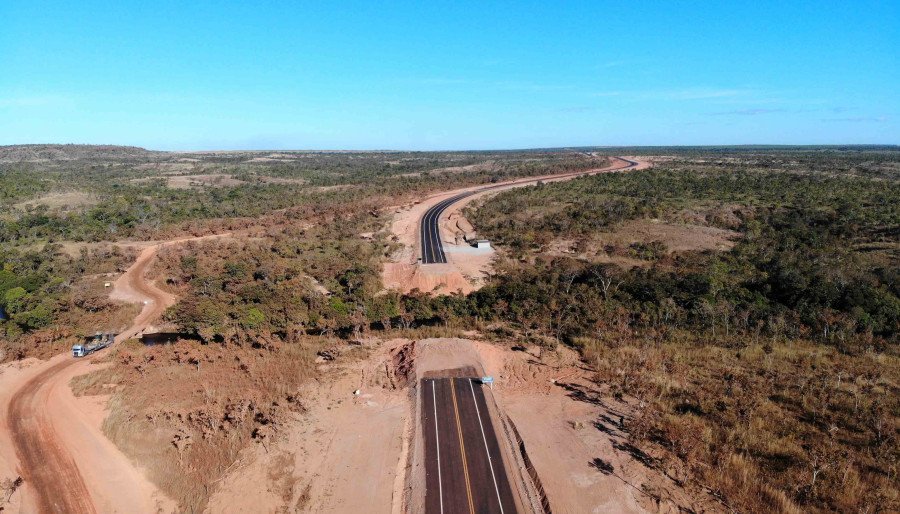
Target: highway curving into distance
(430,244)
(464,471)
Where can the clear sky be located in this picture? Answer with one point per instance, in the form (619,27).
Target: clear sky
(178,75)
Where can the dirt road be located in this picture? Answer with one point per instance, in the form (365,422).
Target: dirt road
(68,464)
(48,469)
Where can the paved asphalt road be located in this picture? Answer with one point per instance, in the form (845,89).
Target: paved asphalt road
(429,230)
(464,472)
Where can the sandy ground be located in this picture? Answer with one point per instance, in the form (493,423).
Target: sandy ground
(576,456)
(208,180)
(352,452)
(356,447)
(465,271)
(573,436)
(12,376)
(63,201)
(677,237)
(347,453)
(54,440)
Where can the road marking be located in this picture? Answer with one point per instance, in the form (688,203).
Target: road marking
(437,442)
(462,447)
(437,234)
(483,438)
(426,237)
(424,231)
(430,229)
(436,223)
(426,240)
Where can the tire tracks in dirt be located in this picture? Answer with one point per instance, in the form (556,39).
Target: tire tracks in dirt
(68,464)
(47,468)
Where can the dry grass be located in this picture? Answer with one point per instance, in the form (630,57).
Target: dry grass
(61,201)
(208,180)
(265,179)
(772,427)
(675,236)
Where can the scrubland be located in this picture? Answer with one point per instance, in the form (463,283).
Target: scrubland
(742,303)
(768,373)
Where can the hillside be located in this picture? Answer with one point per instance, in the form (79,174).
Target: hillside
(53,152)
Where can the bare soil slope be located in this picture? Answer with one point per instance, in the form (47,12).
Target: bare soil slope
(345,453)
(575,436)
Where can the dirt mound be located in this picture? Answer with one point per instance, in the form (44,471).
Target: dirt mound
(186,410)
(434,278)
(403,364)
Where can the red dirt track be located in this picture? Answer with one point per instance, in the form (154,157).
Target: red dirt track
(61,470)
(45,464)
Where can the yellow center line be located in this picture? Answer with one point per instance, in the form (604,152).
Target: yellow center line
(462,447)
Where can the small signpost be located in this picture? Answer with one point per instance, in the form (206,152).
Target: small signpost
(488,380)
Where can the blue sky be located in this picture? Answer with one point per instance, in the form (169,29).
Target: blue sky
(455,75)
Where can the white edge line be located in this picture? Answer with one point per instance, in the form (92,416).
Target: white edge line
(436,220)
(436,217)
(437,444)
(435,235)
(483,438)
(426,231)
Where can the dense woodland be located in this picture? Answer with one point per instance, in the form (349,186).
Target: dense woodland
(768,374)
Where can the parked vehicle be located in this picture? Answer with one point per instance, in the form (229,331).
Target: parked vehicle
(98,342)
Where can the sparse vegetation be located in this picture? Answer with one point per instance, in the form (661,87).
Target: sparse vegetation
(766,372)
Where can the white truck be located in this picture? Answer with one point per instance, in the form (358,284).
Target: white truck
(99,342)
